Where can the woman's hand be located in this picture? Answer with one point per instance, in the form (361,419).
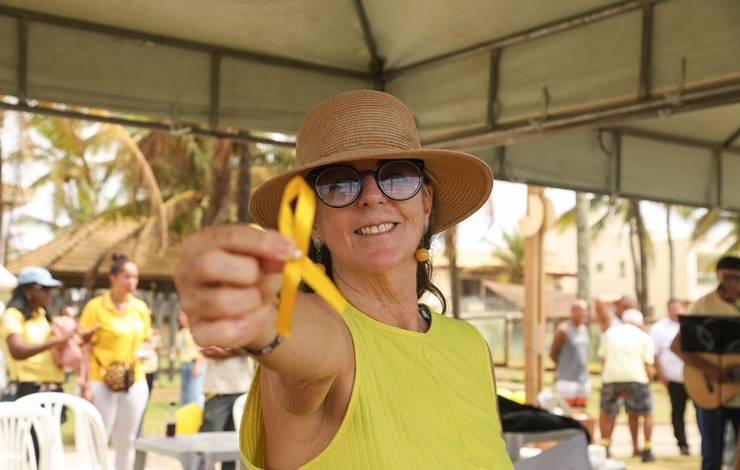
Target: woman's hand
(228,280)
(86,336)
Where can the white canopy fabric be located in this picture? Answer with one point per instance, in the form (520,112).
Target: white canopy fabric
(635,98)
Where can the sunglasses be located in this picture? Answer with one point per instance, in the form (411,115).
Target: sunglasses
(340,185)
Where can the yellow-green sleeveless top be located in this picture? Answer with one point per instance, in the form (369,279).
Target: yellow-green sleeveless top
(419,401)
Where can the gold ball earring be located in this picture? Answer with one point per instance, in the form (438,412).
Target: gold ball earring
(421,254)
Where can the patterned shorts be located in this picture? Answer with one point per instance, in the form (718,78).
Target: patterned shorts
(636,396)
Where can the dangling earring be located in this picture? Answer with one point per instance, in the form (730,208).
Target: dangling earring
(317,250)
(421,254)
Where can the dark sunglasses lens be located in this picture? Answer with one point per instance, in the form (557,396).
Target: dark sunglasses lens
(337,186)
(400,180)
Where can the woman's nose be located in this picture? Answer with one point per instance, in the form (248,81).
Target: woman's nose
(371,193)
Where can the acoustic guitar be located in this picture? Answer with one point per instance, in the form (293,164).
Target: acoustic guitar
(707,393)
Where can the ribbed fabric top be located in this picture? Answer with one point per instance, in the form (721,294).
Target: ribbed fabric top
(573,355)
(419,401)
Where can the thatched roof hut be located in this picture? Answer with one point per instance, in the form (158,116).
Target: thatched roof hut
(80,256)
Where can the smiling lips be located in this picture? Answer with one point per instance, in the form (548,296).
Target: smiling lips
(376,229)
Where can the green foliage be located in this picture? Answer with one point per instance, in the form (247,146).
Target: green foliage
(511,256)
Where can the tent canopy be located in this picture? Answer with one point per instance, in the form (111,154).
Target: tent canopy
(635,98)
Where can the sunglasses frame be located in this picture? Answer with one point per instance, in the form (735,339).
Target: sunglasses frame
(313,178)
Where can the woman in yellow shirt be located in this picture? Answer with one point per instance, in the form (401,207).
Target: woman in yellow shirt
(388,383)
(121,324)
(26,332)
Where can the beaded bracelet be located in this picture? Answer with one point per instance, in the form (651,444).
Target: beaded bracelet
(265,349)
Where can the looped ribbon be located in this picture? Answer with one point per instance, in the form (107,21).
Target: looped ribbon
(297,226)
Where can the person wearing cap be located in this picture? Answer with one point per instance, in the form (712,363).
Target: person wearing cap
(26,332)
(627,354)
(389,383)
(121,324)
(724,300)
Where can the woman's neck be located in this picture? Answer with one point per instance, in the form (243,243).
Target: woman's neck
(389,297)
(118,297)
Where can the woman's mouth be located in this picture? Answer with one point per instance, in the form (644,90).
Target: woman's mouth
(376,229)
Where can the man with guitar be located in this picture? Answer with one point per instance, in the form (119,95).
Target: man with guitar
(712,419)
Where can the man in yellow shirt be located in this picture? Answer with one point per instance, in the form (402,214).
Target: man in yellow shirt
(721,301)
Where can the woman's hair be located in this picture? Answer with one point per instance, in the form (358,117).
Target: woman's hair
(119,261)
(423,270)
(19,301)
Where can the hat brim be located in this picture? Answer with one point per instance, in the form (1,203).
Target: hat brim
(461,184)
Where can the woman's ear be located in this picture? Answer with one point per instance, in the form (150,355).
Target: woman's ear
(427,198)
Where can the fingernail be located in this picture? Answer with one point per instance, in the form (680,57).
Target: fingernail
(285,248)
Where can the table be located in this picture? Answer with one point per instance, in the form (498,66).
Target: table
(189,449)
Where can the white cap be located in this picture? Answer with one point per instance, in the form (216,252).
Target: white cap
(632,315)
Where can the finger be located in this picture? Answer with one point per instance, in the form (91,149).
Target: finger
(270,285)
(231,332)
(240,239)
(221,267)
(221,302)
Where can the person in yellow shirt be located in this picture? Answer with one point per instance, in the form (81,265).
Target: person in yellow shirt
(121,324)
(191,364)
(27,336)
(388,383)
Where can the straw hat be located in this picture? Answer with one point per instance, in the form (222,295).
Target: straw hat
(368,125)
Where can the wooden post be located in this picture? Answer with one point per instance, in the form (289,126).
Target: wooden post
(533,228)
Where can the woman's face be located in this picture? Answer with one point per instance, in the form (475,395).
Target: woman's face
(374,233)
(127,279)
(38,296)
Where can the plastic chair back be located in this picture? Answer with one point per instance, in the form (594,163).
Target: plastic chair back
(90,437)
(554,403)
(238,409)
(16,444)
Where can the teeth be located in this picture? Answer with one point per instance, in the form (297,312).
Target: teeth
(375,229)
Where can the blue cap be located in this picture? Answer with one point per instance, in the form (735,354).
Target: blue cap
(37,275)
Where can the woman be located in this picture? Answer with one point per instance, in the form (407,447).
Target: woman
(118,388)
(28,336)
(388,384)
(192,364)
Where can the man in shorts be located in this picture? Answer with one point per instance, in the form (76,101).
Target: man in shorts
(627,354)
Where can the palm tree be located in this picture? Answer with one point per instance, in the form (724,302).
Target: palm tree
(511,257)
(671,253)
(717,219)
(624,212)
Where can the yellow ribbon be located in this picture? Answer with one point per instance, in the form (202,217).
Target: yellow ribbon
(297,226)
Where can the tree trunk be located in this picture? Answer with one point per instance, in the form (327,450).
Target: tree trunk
(671,254)
(451,252)
(639,227)
(2,195)
(244,185)
(583,246)
(634,257)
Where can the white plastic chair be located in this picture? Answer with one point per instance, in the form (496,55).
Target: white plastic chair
(90,436)
(554,403)
(237,410)
(16,444)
